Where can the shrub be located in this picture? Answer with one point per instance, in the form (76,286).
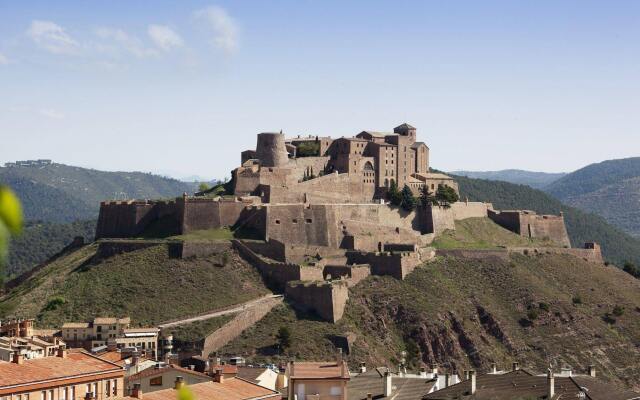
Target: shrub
(54,303)
(577,299)
(631,269)
(618,310)
(308,149)
(532,314)
(394,195)
(224,259)
(284,337)
(544,306)
(408,202)
(446,195)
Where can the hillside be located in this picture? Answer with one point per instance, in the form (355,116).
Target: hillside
(534,179)
(610,189)
(468,313)
(40,240)
(583,227)
(146,285)
(63,193)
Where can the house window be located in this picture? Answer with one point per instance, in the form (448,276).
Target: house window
(157,381)
(295,221)
(277,222)
(108,388)
(308,220)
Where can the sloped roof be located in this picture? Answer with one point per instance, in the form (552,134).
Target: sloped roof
(160,371)
(229,389)
(404,126)
(522,384)
(75,325)
(379,134)
(372,382)
(250,373)
(319,370)
(418,144)
(51,368)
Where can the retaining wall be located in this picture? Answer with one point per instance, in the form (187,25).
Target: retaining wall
(326,299)
(352,274)
(234,328)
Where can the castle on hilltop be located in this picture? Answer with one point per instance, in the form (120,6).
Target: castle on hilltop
(352,170)
(318,208)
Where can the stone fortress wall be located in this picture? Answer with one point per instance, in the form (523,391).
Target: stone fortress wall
(529,224)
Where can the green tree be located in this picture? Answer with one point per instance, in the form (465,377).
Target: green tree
(394,195)
(426,197)
(203,186)
(284,337)
(618,310)
(10,222)
(631,269)
(408,202)
(446,195)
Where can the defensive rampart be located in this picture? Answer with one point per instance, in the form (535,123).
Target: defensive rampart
(352,274)
(397,265)
(326,299)
(529,224)
(277,274)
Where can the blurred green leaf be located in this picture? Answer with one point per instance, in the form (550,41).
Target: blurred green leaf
(10,210)
(185,394)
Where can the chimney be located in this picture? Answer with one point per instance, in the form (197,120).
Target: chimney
(423,372)
(516,366)
(447,380)
(472,375)
(434,369)
(136,392)
(179,383)
(218,376)
(369,396)
(18,358)
(387,384)
(363,367)
(494,368)
(592,371)
(62,352)
(551,390)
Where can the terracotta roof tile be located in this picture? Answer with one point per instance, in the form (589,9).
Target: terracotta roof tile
(159,371)
(319,370)
(229,389)
(31,371)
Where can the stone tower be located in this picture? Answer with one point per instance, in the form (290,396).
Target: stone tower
(271,150)
(406,130)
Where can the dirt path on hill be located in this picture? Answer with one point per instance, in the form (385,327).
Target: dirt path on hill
(220,312)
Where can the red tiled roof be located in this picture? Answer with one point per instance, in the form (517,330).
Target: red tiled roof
(229,389)
(319,370)
(159,371)
(48,368)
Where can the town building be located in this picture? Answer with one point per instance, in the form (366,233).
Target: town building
(71,375)
(265,377)
(17,328)
(111,332)
(318,380)
(29,347)
(163,377)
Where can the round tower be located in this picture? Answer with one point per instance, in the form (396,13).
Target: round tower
(271,150)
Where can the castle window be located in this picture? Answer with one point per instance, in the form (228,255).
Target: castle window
(295,221)
(278,221)
(308,220)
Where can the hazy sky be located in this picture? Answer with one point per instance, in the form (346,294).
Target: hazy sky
(182,87)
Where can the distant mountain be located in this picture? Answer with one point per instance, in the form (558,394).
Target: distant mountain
(62,193)
(617,246)
(536,180)
(610,189)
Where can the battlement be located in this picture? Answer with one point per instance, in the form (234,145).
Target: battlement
(527,223)
(326,299)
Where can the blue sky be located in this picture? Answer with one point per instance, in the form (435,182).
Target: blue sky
(181,87)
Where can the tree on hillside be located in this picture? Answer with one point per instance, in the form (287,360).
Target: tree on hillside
(284,337)
(631,269)
(394,195)
(408,202)
(203,186)
(446,195)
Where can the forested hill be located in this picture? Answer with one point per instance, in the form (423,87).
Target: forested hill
(534,179)
(610,189)
(583,227)
(63,193)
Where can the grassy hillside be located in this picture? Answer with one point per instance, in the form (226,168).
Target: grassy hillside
(145,284)
(63,193)
(482,233)
(536,180)
(41,240)
(468,313)
(610,189)
(583,227)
